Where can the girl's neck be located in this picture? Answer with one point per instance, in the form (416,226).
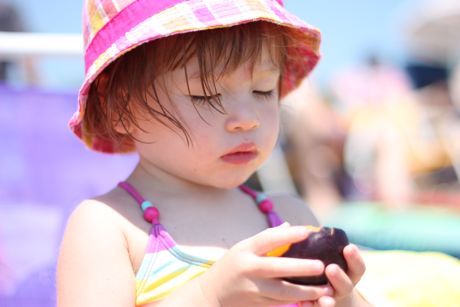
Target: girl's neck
(154,182)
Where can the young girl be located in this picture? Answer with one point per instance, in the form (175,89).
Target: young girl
(193,87)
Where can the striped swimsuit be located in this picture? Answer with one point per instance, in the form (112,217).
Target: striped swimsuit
(166,265)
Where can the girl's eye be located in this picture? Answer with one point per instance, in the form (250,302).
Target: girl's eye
(264,94)
(204,99)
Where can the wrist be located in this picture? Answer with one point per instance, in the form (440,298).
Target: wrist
(207,294)
(355,299)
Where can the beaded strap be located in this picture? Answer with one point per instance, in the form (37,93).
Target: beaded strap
(152,215)
(150,212)
(264,204)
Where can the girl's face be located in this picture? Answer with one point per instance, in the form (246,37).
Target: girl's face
(226,146)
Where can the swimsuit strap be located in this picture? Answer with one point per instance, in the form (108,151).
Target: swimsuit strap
(152,215)
(150,212)
(264,204)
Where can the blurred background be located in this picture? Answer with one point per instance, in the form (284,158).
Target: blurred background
(370,140)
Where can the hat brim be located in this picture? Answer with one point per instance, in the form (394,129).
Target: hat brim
(157,20)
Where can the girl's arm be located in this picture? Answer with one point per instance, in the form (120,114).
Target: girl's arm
(94,267)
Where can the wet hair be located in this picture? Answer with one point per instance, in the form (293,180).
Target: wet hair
(128,85)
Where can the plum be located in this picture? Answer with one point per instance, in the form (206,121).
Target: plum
(325,244)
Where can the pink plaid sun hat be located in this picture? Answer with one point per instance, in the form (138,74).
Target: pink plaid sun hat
(114,27)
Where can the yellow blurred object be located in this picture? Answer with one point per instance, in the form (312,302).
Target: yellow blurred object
(419,137)
(313,228)
(410,279)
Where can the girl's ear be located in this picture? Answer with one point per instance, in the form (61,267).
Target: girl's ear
(120,123)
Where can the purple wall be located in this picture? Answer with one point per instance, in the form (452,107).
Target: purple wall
(44,172)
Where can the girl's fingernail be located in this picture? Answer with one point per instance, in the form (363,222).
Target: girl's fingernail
(318,264)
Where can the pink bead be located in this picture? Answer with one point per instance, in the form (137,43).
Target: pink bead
(266,206)
(151,214)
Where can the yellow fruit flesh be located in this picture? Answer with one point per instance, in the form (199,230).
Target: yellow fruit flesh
(277,252)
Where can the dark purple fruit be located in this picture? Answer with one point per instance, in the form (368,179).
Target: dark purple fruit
(325,244)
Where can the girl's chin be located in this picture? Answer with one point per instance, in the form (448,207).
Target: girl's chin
(232,183)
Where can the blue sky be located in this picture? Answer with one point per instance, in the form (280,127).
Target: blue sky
(351,30)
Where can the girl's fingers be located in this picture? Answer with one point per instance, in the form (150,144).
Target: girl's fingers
(272,238)
(356,265)
(343,283)
(326,301)
(306,304)
(285,292)
(278,267)
(339,280)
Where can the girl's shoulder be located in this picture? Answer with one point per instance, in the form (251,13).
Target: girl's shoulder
(293,209)
(113,218)
(103,209)
(109,215)
(96,218)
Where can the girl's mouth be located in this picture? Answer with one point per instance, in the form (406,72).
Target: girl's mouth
(241,154)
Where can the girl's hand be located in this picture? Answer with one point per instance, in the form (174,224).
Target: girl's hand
(343,284)
(244,276)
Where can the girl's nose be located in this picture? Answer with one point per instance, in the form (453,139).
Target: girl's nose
(241,121)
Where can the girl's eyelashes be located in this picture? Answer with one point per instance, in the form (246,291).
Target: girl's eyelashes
(264,94)
(204,99)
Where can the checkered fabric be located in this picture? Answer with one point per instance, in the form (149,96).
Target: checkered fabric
(113,27)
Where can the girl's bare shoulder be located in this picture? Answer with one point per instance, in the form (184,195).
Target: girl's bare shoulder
(110,214)
(113,205)
(293,209)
